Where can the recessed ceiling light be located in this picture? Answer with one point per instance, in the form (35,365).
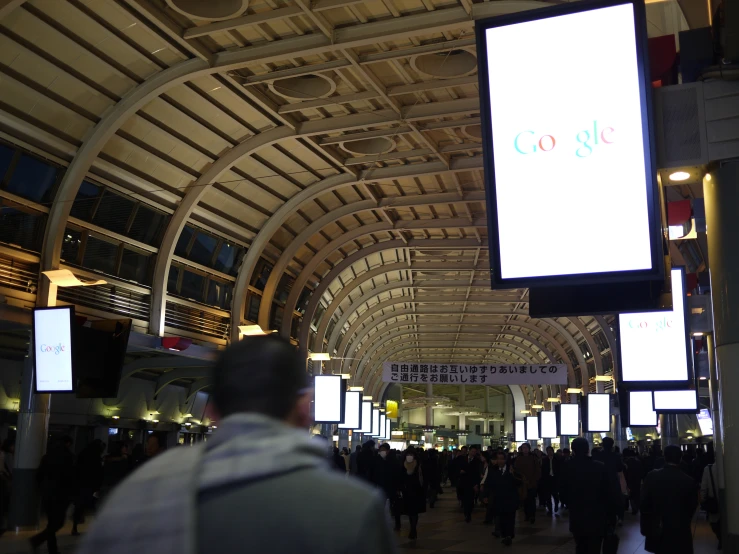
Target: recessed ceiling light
(679,176)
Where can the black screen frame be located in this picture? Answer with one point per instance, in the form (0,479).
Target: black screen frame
(628,412)
(656,272)
(72,337)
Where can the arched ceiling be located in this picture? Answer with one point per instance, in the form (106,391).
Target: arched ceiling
(337,139)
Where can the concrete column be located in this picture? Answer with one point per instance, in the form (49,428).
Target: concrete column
(429,414)
(30,446)
(619,434)
(721,192)
(486,422)
(508,415)
(343,438)
(668,423)
(462,419)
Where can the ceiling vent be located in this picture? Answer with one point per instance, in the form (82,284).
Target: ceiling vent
(304,87)
(212,10)
(368,147)
(444,65)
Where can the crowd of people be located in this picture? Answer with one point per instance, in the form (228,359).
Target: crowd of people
(83,480)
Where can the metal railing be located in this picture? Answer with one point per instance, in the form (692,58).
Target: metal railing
(108,298)
(18,275)
(193,320)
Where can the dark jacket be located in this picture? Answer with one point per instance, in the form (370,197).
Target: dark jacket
(669,500)
(545,470)
(431,472)
(586,490)
(385,475)
(472,472)
(366,464)
(411,488)
(502,489)
(634,473)
(56,475)
(530,469)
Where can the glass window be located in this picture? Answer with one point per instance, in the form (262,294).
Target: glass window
(32,179)
(276,319)
(113,212)
(193,285)
(6,156)
(174,274)
(229,258)
(85,201)
(184,241)
(71,246)
(147,225)
(22,228)
(252,307)
(263,274)
(203,248)
(135,266)
(219,294)
(101,255)
(284,287)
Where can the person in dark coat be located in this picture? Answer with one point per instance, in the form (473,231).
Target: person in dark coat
(56,476)
(366,461)
(549,484)
(633,473)
(411,491)
(529,468)
(88,480)
(432,475)
(503,498)
(338,461)
(353,458)
(455,469)
(614,465)
(470,473)
(669,500)
(385,477)
(590,498)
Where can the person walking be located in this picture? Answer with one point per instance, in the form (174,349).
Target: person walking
(346,456)
(88,481)
(549,485)
(366,462)
(669,500)
(709,498)
(385,477)
(195,499)
(56,477)
(353,466)
(634,472)
(470,473)
(432,475)
(527,466)
(503,499)
(589,496)
(411,490)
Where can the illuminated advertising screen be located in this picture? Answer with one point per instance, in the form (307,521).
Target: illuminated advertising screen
(329,396)
(52,349)
(548,425)
(381,432)
(532,428)
(569,420)
(705,422)
(366,417)
(655,350)
(375,422)
(676,401)
(599,413)
(559,140)
(641,409)
(388,429)
(520,431)
(352,411)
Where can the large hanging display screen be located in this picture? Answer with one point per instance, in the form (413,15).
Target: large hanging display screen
(599,413)
(548,425)
(676,401)
(352,411)
(558,140)
(655,350)
(569,420)
(329,398)
(532,428)
(641,409)
(520,431)
(52,349)
(366,417)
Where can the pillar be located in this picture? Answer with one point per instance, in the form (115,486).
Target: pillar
(718,433)
(721,193)
(30,446)
(619,435)
(429,414)
(668,423)
(462,418)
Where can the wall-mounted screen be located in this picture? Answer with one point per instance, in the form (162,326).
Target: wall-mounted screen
(366,417)
(655,350)
(520,430)
(569,420)
(52,349)
(548,425)
(558,158)
(532,428)
(676,401)
(641,409)
(383,420)
(375,423)
(352,411)
(599,413)
(705,422)
(388,429)
(329,398)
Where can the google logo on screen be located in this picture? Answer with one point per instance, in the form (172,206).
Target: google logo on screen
(658,325)
(55,349)
(526,142)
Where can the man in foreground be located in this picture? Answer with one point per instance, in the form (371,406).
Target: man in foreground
(669,500)
(589,496)
(232,493)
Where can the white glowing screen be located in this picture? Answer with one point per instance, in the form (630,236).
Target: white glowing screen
(599,413)
(532,428)
(328,391)
(676,400)
(52,343)
(352,410)
(569,420)
(549,425)
(641,409)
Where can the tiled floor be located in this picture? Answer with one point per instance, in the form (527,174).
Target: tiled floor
(443,531)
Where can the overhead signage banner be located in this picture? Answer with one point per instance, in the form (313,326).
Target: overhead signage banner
(468,374)
(557,154)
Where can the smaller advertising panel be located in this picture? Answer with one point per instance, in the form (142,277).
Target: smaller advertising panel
(352,411)
(599,413)
(520,431)
(532,428)
(52,344)
(569,420)
(366,417)
(548,425)
(641,409)
(676,401)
